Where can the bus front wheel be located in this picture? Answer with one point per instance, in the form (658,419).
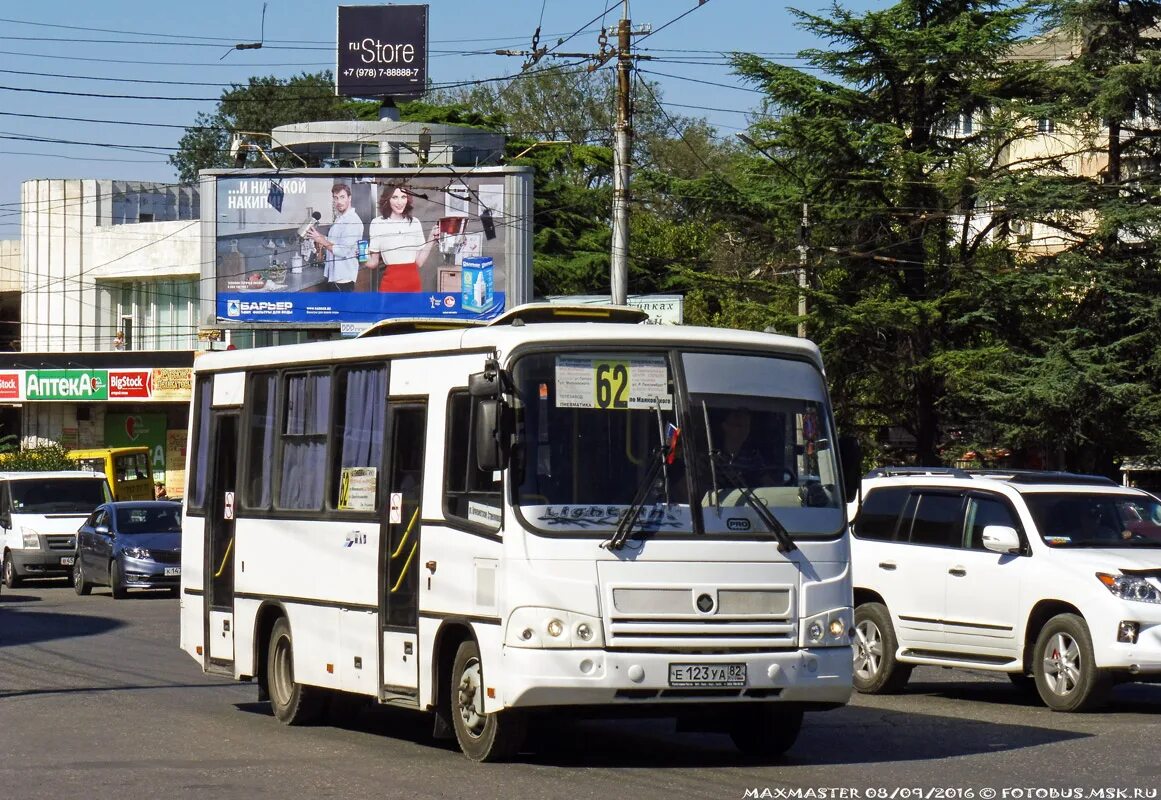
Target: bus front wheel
(292,703)
(482,737)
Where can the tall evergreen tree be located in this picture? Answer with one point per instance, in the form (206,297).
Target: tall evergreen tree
(903,149)
(1091,383)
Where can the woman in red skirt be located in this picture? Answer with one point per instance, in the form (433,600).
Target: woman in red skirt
(397,241)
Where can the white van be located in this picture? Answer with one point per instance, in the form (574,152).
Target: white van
(39,516)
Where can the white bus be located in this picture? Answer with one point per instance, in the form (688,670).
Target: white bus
(559,511)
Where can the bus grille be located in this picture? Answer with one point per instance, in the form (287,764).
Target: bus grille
(693,634)
(60,541)
(731,618)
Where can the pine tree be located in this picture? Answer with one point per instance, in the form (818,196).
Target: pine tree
(901,149)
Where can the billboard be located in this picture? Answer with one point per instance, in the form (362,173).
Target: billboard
(351,248)
(382,51)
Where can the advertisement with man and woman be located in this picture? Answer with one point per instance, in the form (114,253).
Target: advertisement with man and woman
(357,248)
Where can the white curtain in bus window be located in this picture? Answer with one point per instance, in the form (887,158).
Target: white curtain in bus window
(364,393)
(304,440)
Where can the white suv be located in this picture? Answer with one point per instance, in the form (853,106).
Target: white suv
(1051,577)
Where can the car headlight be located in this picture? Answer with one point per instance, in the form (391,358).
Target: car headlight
(533,627)
(831,629)
(30,538)
(136,552)
(1130,587)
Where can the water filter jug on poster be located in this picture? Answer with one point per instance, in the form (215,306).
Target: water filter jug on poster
(478,283)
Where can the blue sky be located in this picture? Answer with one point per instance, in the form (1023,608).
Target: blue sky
(113,53)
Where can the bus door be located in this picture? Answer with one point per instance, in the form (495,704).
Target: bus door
(399,603)
(219,566)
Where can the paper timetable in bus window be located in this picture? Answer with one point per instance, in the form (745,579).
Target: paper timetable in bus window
(613,382)
(357,487)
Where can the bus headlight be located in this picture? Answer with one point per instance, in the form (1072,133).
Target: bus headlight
(31,539)
(831,629)
(534,627)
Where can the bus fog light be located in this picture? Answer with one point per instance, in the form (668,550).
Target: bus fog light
(555,628)
(636,673)
(1127,631)
(814,632)
(837,627)
(584,632)
(526,634)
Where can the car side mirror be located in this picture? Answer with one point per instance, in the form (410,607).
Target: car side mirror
(101,529)
(1001,539)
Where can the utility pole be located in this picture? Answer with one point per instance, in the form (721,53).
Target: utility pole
(622,134)
(622,148)
(803,249)
(803,231)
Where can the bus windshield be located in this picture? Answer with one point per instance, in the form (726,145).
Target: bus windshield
(747,428)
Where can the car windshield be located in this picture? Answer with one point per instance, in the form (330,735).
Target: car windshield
(1096,520)
(148,519)
(591,426)
(58,495)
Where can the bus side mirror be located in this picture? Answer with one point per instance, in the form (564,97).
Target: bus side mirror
(484,384)
(491,434)
(851,459)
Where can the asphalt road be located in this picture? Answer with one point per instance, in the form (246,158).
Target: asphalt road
(97,701)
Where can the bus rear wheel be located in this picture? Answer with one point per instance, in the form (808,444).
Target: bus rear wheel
(292,703)
(482,737)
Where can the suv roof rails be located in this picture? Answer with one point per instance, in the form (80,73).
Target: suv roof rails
(1041,476)
(887,472)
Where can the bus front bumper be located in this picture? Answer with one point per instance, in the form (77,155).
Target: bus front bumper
(550,677)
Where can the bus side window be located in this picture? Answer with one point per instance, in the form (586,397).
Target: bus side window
(261,425)
(471,494)
(360,429)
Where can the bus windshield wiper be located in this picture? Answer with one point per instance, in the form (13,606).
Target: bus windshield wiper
(785,543)
(659,460)
(716,461)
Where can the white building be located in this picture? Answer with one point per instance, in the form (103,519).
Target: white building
(95,258)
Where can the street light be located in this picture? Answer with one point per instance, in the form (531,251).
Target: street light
(239,144)
(803,233)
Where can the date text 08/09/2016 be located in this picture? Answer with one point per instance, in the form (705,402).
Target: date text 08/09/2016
(952,793)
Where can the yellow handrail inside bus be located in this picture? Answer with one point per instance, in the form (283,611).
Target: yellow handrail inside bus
(406,533)
(634,460)
(406,565)
(225,556)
